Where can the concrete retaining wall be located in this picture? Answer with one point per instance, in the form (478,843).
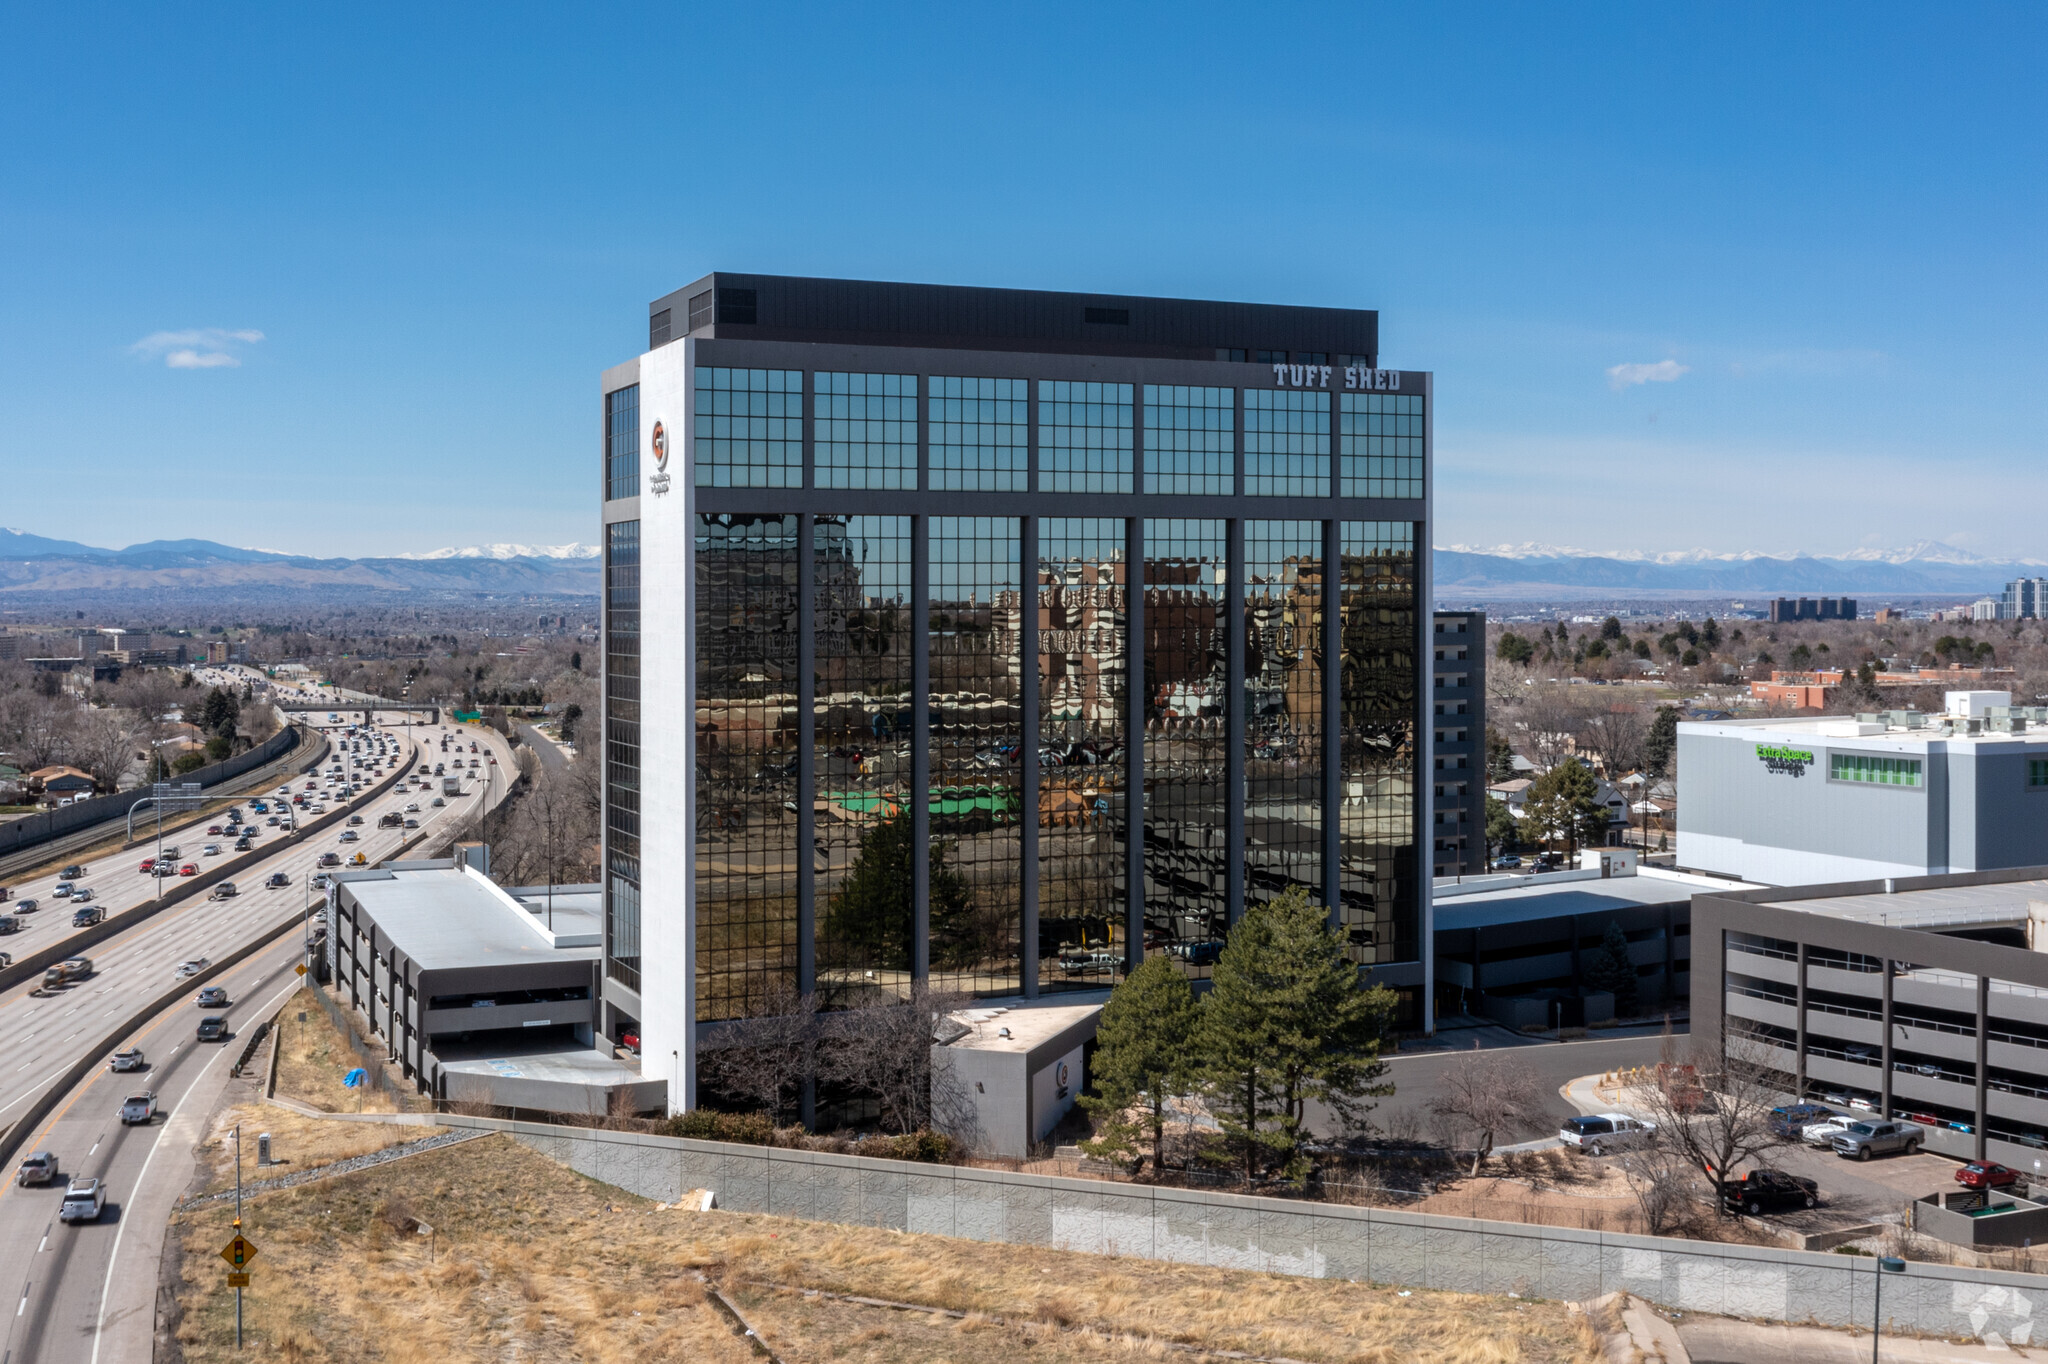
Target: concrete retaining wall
(1286,1237)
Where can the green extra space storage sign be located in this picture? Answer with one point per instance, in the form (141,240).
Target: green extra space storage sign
(1790,762)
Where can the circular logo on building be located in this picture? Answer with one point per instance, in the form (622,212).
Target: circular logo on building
(1062,1075)
(660,446)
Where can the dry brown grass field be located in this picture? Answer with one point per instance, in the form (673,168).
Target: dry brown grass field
(531,1261)
(313,1057)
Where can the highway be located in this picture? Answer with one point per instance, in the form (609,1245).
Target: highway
(41,1034)
(86,1292)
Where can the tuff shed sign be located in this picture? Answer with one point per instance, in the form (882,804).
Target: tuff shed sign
(1357,378)
(658,480)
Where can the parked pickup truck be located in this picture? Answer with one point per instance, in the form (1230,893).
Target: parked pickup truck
(1866,1138)
(1762,1191)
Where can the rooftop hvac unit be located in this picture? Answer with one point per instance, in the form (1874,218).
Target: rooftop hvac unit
(2007,724)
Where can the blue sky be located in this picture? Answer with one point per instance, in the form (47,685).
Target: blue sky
(341,281)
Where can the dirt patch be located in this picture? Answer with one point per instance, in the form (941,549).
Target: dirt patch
(313,1057)
(531,1261)
(297,1142)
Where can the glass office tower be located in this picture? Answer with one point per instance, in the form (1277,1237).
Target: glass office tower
(1001,640)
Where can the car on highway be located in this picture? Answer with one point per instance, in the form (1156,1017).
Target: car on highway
(88,917)
(1599,1133)
(213,997)
(81,895)
(63,892)
(139,1109)
(71,873)
(322,881)
(412,807)
(126,1060)
(189,969)
(1762,1191)
(412,824)
(224,891)
(214,831)
(149,864)
(1986,1174)
(84,1200)
(243,845)
(40,1168)
(277,879)
(437,802)
(26,906)
(210,850)
(10,924)
(189,869)
(349,836)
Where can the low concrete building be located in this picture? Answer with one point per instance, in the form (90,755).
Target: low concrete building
(1004,1076)
(481,993)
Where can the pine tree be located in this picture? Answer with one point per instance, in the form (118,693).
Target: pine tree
(1143,1049)
(870,914)
(1660,751)
(1288,1022)
(1607,967)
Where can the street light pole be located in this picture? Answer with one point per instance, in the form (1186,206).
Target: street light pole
(1886,1264)
(238,1228)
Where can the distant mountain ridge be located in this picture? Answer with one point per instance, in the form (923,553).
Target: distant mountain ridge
(1929,568)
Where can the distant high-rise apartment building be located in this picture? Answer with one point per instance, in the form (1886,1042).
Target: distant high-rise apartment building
(1458,775)
(1786,609)
(1001,640)
(2024,599)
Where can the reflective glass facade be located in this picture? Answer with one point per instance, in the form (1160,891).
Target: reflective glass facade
(1286,443)
(750,428)
(1380,866)
(1084,437)
(1083,661)
(864,430)
(622,751)
(975,609)
(746,605)
(1382,444)
(863,848)
(622,442)
(979,434)
(1186,758)
(1190,439)
(1283,706)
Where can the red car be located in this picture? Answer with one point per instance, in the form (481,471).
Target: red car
(1986,1175)
(189,869)
(148,866)
(213,829)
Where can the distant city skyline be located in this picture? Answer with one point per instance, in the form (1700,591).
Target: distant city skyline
(1688,280)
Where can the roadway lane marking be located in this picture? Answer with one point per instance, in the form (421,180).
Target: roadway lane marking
(113,1256)
(95,1151)
(45,1245)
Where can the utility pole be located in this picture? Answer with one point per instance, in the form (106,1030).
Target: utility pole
(238,1228)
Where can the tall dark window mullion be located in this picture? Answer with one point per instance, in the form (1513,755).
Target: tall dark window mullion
(622,751)
(1186,813)
(1283,700)
(977,806)
(746,764)
(861,757)
(1083,648)
(1377,703)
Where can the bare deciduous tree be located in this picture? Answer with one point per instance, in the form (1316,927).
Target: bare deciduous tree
(1619,733)
(1715,1113)
(1486,1093)
(1548,725)
(103,745)
(883,1049)
(763,1061)
(1662,1183)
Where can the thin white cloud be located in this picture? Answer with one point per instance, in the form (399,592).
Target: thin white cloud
(1627,376)
(197,347)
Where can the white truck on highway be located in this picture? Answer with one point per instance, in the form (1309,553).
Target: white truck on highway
(451,786)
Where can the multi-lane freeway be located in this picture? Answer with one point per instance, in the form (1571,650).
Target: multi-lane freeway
(67,1273)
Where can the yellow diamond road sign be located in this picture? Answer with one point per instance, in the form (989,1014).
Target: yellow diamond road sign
(238,1253)
(300,968)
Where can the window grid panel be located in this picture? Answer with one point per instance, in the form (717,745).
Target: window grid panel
(978,434)
(622,749)
(622,442)
(863,650)
(1283,680)
(1083,625)
(1286,443)
(750,428)
(1381,451)
(1378,865)
(1186,680)
(2037,772)
(1084,437)
(745,719)
(864,430)
(976,803)
(1873,770)
(1190,440)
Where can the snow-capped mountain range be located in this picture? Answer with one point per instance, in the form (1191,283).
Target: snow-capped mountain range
(569,551)
(1923,552)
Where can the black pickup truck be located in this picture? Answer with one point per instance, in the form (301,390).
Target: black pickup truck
(1762,1191)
